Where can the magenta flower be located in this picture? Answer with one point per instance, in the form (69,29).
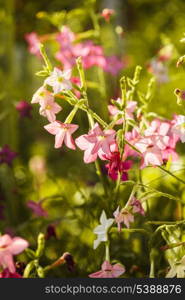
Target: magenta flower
(42,95)
(7,155)
(37,208)
(33,43)
(116,166)
(137,206)
(7,274)
(130,108)
(62,132)
(24,108)
(59,80)
(109,271)
(107,13)
(9,247)
(123,216)
(49,108)
(96,143)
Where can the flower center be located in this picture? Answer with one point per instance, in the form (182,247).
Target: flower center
(101,138)
(48,107)
(182,126)
(60,79)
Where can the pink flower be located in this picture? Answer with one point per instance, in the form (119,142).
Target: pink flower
(37,208)
(49,108)
(59,80)
(33,43)
(107,13)
(113,65)
(123,216)
(92,55)
(65,37)
(7,274)
(109,271)
(151,154)
(137,206)
(166,139)
(116,166)
(96,143)
(9,247)
(42,95)
(65,55)
(62,132)
(130,108)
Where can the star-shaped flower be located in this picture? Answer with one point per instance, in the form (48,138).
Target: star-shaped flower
(59,80)
(62,132)
(102,229)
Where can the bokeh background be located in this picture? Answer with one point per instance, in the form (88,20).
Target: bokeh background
(72,192)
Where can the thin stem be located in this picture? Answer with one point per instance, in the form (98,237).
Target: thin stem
(171,174)
(131,230)
(107,251)
(152,266)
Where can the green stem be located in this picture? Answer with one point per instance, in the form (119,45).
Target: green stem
(171,174)
(30,266)
(131,230)
(152,263)
(107,251)
(71,115)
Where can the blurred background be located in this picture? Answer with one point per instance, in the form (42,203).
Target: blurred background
(69,189)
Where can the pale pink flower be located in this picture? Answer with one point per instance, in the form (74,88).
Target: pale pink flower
(109,271)
(62,132)
(42,95)
(132,137)
(151,154)
(37,208)
(123,216)
(49,108)
(59,80)
(107,13)
(96,143)
(130,108)
(165,138)
(9,247)
(33,43)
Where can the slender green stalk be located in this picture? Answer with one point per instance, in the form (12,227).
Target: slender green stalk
(171,174)
(131,230)
(107,251)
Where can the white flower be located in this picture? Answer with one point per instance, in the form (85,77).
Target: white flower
(179,127)
(177,269)
(101,230)
(41,95)
(59,80)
